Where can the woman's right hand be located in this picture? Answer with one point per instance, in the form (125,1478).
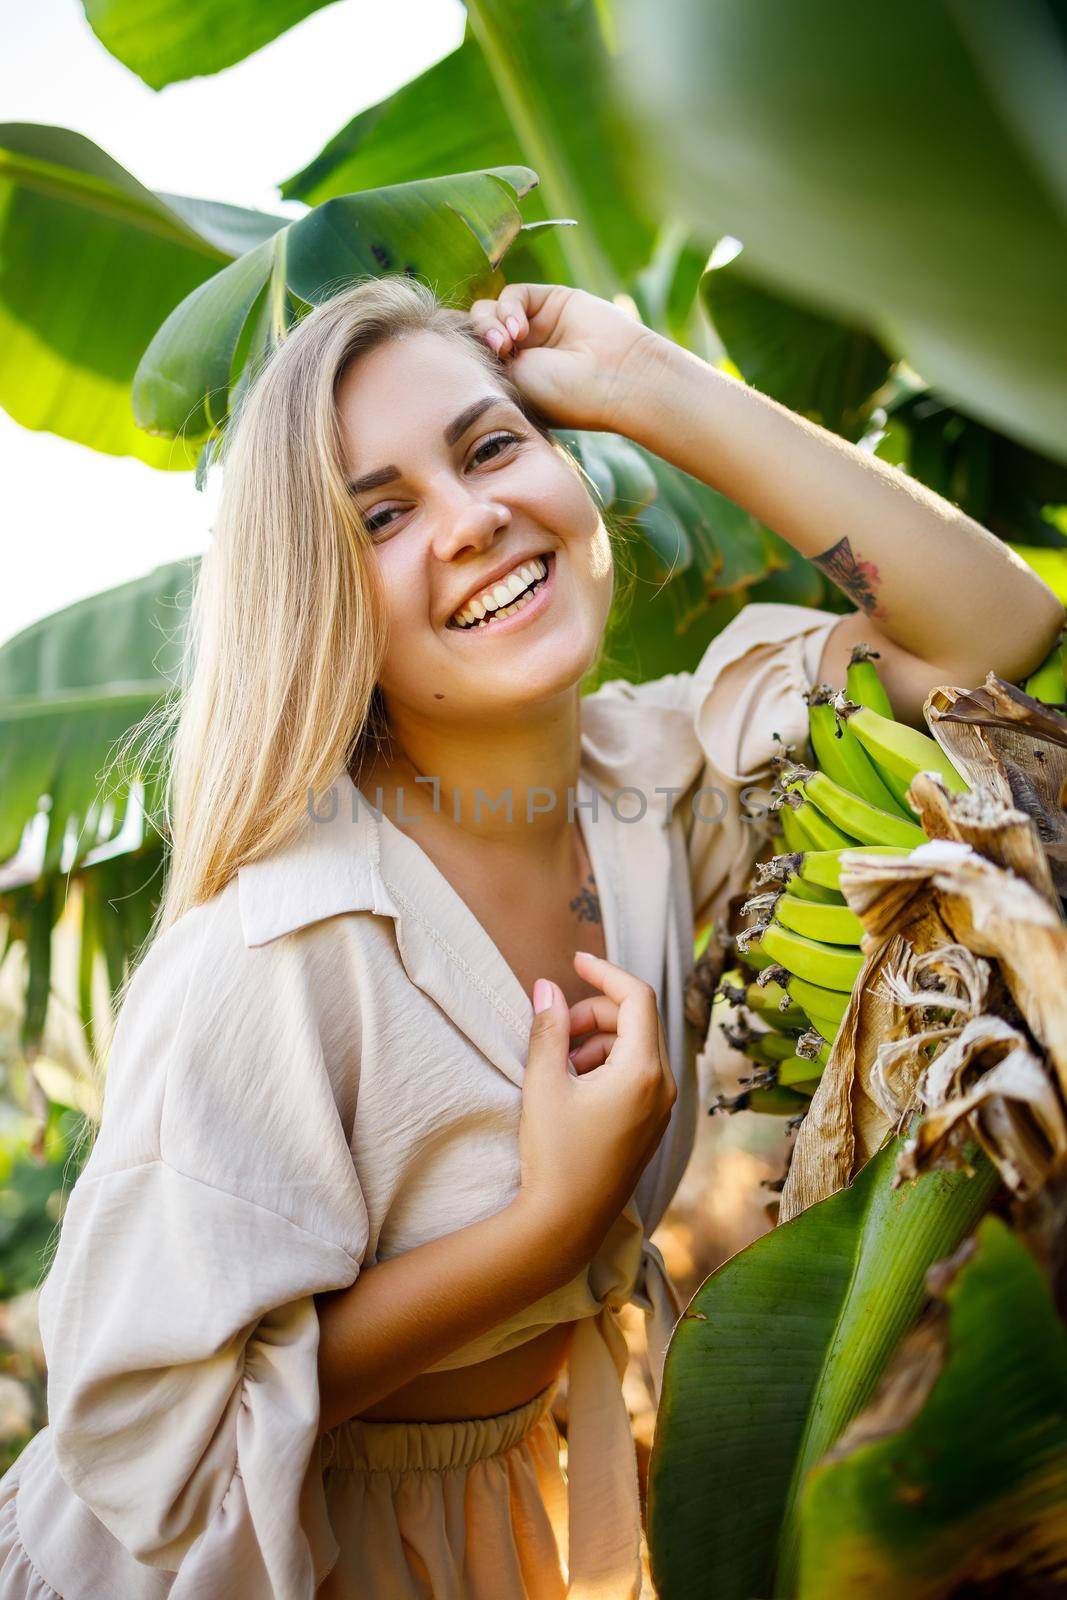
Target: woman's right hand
(585,1140)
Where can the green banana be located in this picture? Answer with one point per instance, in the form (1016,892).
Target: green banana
(840,755)
(819,1001)
(865,687)
(854,815)
(776,1101)
(825,1025)
(824,834)
(830,966)
(832,924)
(753,956)
(897,749)
(771,1046)
(823,867)
(814,892)
(862,683)
(1046,682)
(796,1070)
(764,1001)
(794,833)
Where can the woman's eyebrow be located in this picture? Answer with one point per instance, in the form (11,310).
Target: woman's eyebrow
(455,430)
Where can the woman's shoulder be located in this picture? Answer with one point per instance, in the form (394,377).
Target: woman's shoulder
(664,732)
(226,1054)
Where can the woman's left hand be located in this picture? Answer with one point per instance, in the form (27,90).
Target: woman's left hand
(576,356)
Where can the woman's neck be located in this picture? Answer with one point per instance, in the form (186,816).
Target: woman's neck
(507,784)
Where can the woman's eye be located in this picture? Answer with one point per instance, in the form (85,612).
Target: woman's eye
(496,438)
(374,524)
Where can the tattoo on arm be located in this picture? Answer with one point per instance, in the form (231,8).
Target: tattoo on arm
(854,576)
(586,904)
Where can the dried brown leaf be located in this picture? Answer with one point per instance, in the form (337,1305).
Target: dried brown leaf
(992,825)
(998,735)
(988,1084)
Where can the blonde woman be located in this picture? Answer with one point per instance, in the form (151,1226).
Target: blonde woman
(351,1214)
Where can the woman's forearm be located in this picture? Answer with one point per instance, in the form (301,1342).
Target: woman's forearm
(931,578)
(404,1315)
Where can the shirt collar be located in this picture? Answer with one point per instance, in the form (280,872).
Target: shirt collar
(331,865)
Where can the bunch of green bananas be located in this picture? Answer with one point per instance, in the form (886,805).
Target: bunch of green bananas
(805,947)
(1048,682)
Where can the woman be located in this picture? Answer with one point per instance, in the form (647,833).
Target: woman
(349,1214)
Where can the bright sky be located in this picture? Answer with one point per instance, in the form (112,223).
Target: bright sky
(80,522)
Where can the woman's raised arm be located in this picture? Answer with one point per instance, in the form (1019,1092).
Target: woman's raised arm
(939,596)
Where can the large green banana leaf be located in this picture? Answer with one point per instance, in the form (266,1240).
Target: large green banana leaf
(454,231)
(815,364)
(902,166)
(164,41)
(91,262)
(1014,491)
(70,686)
(539,76)
(424,130)
(973,1489)
(776,1353)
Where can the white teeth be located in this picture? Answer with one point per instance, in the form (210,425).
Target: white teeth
(499,601)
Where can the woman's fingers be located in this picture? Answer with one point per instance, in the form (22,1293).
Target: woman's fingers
(595,1011)
(618,984)
(522,312)
(623,990)
(592,1052)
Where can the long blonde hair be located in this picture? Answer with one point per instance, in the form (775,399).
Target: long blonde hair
(286,626)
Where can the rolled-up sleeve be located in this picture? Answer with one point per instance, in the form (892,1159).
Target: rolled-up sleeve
(704,738)
(178,1317)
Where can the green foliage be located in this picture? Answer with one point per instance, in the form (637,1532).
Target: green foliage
(897,167)
(31,1197)
(815,364)
(164,41)
(776,1353)
(972,1486)
(92,263)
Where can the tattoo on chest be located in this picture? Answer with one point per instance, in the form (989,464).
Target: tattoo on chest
(586,904)
(856,577)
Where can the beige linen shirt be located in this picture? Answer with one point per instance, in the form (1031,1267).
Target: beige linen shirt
(321,1068)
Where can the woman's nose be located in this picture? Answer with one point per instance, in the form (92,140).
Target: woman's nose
(467,522)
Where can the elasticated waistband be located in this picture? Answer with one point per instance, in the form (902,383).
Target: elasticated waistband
(363,1446)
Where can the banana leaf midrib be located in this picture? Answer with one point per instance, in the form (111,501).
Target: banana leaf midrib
(62,701)
(92,194)
(551,160)
(823,1426)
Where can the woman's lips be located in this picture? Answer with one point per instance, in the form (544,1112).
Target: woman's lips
(529,613)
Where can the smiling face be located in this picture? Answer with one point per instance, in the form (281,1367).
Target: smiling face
(474,493)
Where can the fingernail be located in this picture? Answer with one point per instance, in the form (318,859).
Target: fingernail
(572,1053)
(512,325)
(494,338)
(542,994)
(587,953)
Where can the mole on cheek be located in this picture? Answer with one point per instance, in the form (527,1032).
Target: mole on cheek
(438,696)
